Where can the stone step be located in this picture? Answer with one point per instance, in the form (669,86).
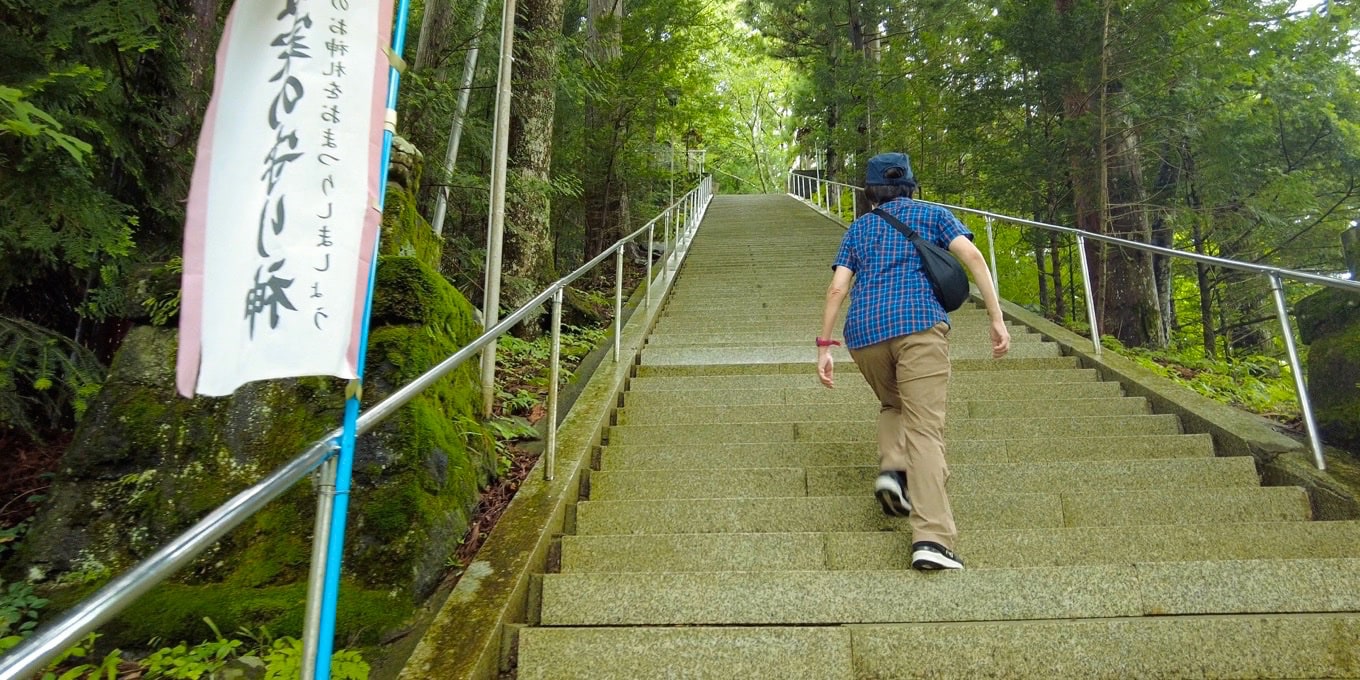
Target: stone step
(1036,593)
(775,354)
(983,549)
(1089,476)
(958,429)
(800,337)
(1234,646)
(802,330)
(866,410)
(852,392)
(833,453)
(972,512)
(1060,369)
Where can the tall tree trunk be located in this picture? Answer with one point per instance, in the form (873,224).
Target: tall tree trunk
(1168,176)
(528,255)
(1131,309)
(1206,300)
(1084,175)
(606,197)
(436,30)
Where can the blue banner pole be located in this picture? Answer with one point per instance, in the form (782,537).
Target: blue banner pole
(336,548)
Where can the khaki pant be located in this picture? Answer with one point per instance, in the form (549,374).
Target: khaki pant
(910,376)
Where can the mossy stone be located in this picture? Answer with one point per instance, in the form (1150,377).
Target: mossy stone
(146,464)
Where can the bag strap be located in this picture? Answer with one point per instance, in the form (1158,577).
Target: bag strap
(899,224)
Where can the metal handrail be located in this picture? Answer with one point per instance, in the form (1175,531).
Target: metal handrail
(49,641)
(808,188)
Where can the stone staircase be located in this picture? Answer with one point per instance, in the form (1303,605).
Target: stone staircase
(728,529)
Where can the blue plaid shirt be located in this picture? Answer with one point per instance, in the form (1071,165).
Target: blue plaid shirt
(891,296)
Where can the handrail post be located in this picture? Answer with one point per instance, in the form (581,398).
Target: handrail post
(316,577)
(650,245)
(1090,299)
(618,298)
(991,247)
(554,374)
(1305,405)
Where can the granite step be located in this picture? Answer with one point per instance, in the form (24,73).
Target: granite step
(802,337)
(897,596)
(735,482)
(972,511)
(866,410)
(981,549)
(957,429)
(856,393)
(1059,369)
(1154,647)
(865,450)
(746,354)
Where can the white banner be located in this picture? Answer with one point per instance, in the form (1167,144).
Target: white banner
(281,217)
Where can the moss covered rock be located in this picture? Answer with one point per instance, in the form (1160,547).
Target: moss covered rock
(146,464)
(1330,322)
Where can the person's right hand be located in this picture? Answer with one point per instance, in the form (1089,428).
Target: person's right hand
(1001,339)
(825,367)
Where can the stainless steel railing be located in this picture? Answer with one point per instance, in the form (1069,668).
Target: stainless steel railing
(819,193)
(679,223)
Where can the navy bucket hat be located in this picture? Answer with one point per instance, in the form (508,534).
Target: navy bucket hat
(890,169)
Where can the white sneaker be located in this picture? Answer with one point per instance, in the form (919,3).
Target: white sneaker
(891,490)
(930,556)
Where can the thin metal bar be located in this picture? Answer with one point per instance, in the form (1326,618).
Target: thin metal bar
(460,113)
(500,145)
(991,247)
(316,578)
(335,538)
(1305,405)
(650,245)
(1090,299)
(618,299)
(50,640)
(554,376)
(1353,286)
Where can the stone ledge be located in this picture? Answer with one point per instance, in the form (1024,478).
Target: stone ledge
(464,639)
(1281,460)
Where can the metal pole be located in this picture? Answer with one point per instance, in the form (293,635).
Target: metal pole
(456,132)
(1090,299)
(1305,405)
(554,375)
(650,230)
(618,299)
(496,233)
(335,540)
(991,247)
(316,579)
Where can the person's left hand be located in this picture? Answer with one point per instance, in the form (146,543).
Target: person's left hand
(825,367)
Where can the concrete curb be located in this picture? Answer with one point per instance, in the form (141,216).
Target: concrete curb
(464,639)
(1281,460)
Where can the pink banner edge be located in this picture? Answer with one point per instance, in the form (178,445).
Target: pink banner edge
(367,255)
(190,355)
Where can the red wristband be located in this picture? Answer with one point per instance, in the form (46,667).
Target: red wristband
(827,342)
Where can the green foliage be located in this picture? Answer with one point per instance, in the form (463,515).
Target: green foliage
(278,659)
(284,662)
(46,380)
(19,608)
(19,117)
(97,116)
(1259,384)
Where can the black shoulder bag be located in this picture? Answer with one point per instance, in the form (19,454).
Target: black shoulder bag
(947,277)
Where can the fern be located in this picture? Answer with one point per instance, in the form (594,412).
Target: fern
(46,379)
